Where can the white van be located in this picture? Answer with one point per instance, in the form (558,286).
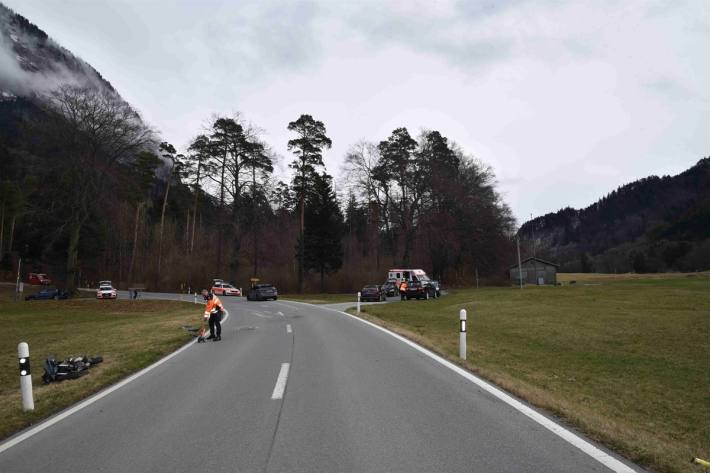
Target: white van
(399,275)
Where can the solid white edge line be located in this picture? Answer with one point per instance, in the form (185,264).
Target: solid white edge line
(281,382)
(90,400)
(568,436)
(288,328)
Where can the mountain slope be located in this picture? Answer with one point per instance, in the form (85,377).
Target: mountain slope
(32,63)
(653,224)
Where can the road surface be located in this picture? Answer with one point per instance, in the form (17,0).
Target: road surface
(295,387)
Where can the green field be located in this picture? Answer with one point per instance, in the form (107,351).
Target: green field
(625,361)
(128,334)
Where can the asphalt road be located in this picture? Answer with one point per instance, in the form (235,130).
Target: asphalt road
(354,399)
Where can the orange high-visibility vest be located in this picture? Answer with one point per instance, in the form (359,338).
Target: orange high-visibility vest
(213,306)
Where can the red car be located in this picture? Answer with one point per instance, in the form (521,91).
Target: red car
(39,279)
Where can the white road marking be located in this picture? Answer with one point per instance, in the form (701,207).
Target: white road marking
(281,382)
(262,315)
(288,328)
(568,436)
(281,314)
(89,401)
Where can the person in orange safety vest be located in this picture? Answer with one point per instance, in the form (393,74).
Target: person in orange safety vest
(403,289)
(213,312)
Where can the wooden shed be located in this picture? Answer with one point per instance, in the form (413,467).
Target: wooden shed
(535,271)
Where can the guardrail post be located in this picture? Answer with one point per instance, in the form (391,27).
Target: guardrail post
(358,302)
(462,334)
(23,355)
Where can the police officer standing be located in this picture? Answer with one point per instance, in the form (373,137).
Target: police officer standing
(213,310)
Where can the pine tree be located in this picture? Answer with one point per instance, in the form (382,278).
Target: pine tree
(323,250)
(308,147)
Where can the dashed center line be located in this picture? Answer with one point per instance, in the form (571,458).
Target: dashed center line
(288,328)
(281,382)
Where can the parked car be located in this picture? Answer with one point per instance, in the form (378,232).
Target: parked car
(225,289)
(46,294)
(373,293)
(262,292)
(420,290)
(39,279)
(390,288)
(106,292)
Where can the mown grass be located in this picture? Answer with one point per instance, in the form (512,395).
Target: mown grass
(320,298)
(600,277)
(626,361)
(128,334)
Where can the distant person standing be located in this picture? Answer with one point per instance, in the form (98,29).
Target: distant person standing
(403,289)
(213,310)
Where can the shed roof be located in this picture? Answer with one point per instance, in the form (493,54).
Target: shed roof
(536,259)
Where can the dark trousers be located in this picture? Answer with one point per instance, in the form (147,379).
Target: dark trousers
(216,324)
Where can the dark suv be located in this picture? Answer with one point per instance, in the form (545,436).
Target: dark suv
(420,290)
(262,292)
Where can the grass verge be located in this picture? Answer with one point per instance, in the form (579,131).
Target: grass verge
(626,361)
(130,335)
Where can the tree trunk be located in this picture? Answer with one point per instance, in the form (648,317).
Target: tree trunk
(194,223)
(256,254)
(12,234)
(135,243)
(302,247)
(2,230)
(220,220)
(162,224)
(322,279)
(255,222)
(73,255)
(187,231)
(194,206)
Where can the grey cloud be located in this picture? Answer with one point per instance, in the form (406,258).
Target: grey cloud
(262,39)
(380,26)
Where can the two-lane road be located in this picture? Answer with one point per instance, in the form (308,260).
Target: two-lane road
(295,387)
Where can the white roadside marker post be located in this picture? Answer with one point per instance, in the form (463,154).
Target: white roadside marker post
(462,334)
(23,354)
(195,298)
(358,302)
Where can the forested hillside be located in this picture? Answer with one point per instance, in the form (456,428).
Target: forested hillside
(88,191)
(654,224)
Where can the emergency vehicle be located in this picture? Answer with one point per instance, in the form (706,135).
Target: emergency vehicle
(399,275)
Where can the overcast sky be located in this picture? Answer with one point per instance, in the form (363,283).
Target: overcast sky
(565,100)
